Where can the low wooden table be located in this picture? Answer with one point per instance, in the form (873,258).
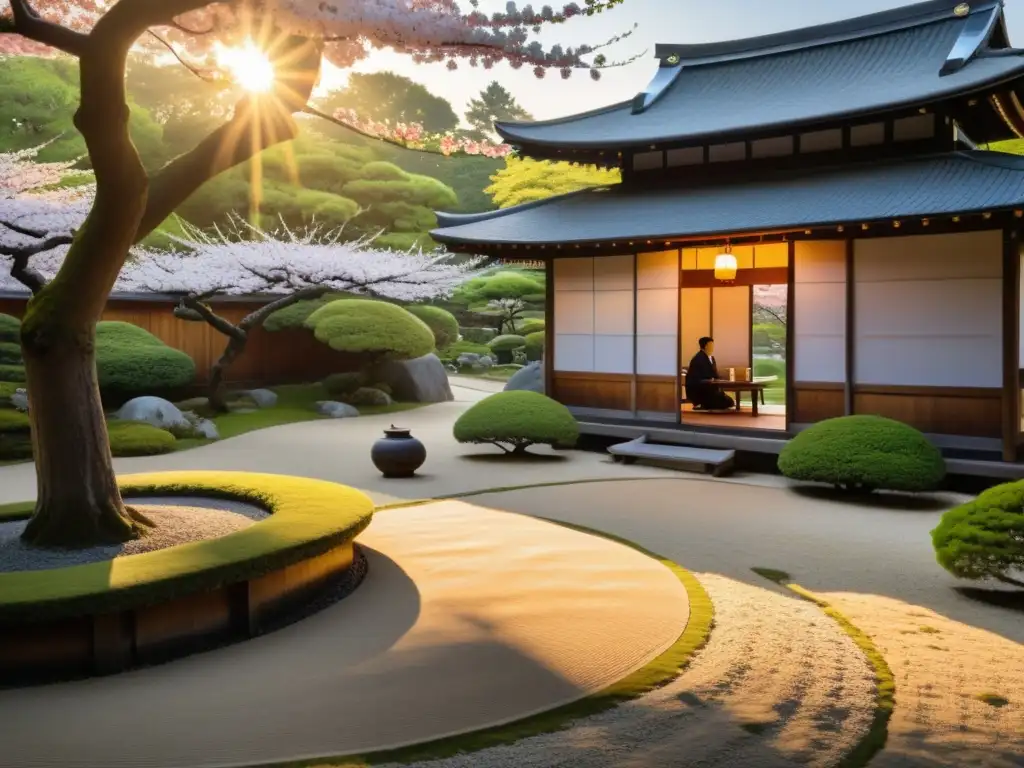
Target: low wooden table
(755,388)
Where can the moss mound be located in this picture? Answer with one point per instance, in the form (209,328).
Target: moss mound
(10,353)
(131,361)
(297,314)
(440,321)
(516,420)
(132,438)
(308,517)
(12,373)
(453,351)
(10,329)
(532,325)
(984,538)
(338,384)
(373,328)
(864,453)
(507,343)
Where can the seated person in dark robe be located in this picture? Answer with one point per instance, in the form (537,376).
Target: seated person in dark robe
(703,368)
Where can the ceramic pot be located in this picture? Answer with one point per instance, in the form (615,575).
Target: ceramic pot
(398,453)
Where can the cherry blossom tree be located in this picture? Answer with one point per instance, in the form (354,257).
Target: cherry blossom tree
(78,500)
(291,267)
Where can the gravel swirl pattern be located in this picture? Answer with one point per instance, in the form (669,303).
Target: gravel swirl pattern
(778,685)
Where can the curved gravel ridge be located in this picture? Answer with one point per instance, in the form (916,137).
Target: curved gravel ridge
(179,520)
(779,684)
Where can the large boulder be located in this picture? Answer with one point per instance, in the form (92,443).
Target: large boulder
(529,378)
(156,412)
(335,410)
(264,398)
(423,380)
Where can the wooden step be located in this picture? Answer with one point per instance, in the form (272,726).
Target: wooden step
(682,457)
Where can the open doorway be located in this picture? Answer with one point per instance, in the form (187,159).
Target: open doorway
(746,314)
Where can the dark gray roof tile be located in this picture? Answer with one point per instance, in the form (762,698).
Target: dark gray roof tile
(947,184)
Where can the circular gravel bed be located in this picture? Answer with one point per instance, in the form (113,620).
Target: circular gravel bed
(179,520)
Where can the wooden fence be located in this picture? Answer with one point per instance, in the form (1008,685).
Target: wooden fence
(269,358)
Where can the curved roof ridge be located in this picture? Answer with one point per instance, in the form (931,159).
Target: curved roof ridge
(882,22)
(457,219)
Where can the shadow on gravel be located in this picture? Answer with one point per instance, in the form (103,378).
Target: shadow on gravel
(1011,599)
(898,501)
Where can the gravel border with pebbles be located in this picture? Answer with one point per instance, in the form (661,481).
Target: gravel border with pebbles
(179,519)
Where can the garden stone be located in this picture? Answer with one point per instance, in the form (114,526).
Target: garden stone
(486,361)
(468,358)
(529,378)
(154,411)
(335,410)
(422,380)
(264,398)
(206,429)
(451,368)
(20,400)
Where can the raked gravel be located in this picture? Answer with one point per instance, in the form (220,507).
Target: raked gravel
(179,520)
(779,685)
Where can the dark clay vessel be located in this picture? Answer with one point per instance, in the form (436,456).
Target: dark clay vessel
(398,453)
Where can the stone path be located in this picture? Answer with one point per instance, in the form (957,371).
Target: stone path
(468,618)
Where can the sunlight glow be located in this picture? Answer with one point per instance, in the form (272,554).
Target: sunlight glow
(248,66)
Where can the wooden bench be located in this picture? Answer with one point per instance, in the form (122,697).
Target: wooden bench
(683,457)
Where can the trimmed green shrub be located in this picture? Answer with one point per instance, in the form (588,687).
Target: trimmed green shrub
(343,383)
(13,421)
(535,345)
(440,321)
(10,353)
(984,538)
(864,453)
(15,436)
(15,373)
(504,346)
(7,390)
(134,438)
(297,314)
(385,388)
(767,366)
(515,420)
(131,361)
(376,329)
(10,329)
(532,325)
(453,351)
(477,335)
(367,396)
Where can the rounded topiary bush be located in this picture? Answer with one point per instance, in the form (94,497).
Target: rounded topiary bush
(11,372)
(131,361)
(441,322)
(864,453)
(10,329)
(515,420)
(374,329)
(504,346)
(535,345)
(477,335)
(984,538)
(15,436)
(453,351)
(133,438)
(10,353)
(533,325)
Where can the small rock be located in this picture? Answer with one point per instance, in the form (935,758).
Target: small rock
(451,368)
(468,358)
(20,400)
(154,411)
(530,378)
(206,429)
(335,410)
(485,362)
(264,398)
(422,380)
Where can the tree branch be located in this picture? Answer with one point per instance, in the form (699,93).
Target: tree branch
(219,323)
(257,123)
(261,314)
(30,24)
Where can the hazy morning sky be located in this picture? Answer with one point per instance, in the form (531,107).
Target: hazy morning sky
(660,21)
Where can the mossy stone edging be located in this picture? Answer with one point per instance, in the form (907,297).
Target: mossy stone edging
(885,692)
(656,673)
(308,518)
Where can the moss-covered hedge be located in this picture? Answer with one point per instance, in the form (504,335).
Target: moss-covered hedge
(131,362)
(984,538)
(533,325)
(308,517)
(10,353)
(477,335)
(13,373)
(507,342)
(864,453)
(453,351)
(535,345)
(375,329)
(10,329)
(127,438)
(516,420)
(440,321)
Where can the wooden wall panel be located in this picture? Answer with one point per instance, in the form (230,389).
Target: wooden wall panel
(657,394)
(816,401)
(609,391)
(969,412)
(269,358)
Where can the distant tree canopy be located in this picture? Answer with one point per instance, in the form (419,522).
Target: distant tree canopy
(495,104)
(526,180)
(386,96)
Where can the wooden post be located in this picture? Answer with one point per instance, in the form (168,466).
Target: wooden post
(1011,340)
(850,333)
(549,328)
(790,328)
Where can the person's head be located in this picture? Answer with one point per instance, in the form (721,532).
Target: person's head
(707,345)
